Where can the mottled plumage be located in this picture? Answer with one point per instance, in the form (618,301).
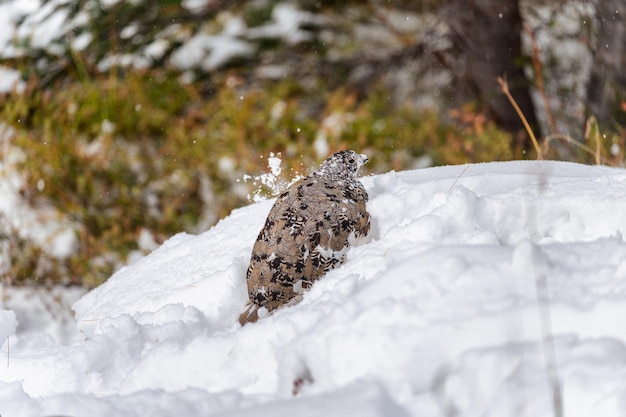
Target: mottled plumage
(307,233)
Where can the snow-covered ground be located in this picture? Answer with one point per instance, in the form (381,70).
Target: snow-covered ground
(481,291)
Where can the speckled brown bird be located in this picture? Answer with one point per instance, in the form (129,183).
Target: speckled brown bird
(307,233)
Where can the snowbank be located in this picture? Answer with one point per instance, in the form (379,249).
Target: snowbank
(472,276)
(7,324)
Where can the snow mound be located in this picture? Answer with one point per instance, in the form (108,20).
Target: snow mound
(476,284)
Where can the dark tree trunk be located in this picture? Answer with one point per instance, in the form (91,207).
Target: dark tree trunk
(607,85)
(487,37)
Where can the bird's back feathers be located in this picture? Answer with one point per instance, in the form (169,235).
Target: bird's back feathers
(307,233)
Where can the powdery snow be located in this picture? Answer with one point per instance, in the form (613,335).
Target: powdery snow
(476,283)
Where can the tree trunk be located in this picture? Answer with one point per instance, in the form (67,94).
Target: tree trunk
(607,86)
(487,36)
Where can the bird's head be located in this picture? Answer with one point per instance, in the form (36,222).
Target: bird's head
(342,164)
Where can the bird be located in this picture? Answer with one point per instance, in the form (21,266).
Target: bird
(306,234)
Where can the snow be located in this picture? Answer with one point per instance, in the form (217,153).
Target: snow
(475,286)
(7,324)
(42,313)
(286,24)
(10,80)
(44,225)
(271,180)
(213,51)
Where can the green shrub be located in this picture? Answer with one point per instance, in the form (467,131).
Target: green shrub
(123,154)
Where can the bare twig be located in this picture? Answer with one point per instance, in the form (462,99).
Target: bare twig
(505,89)
(558,136)
(458,177)
(591,128)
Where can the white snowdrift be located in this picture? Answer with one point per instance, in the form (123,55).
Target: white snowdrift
(471,277)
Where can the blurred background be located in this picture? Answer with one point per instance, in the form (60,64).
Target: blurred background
(123,123)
